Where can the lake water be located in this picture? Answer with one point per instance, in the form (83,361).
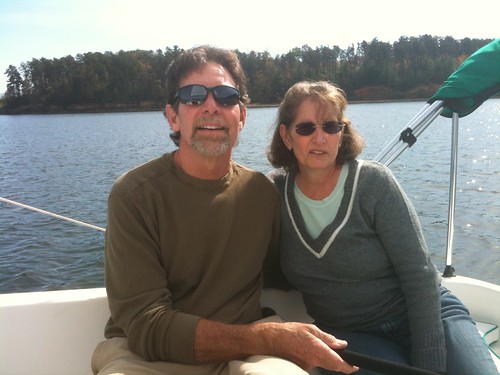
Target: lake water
(67,164)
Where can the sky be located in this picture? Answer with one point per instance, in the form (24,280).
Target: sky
(57,28)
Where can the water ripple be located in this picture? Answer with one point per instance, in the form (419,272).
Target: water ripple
(67,164)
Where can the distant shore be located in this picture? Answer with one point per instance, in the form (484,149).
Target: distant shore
(146,107)
(373,94)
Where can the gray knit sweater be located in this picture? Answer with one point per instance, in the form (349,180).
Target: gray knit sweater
(370,263)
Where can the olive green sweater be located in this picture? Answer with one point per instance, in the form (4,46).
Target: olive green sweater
(179,248)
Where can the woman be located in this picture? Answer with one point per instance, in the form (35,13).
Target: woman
(353,245)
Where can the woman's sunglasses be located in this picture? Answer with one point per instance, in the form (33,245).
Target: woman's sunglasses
(307,128)
(197,94)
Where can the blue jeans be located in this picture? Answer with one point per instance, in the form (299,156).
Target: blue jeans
(467,354)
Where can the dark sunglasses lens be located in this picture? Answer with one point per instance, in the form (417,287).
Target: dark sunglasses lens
(197,94)
(226,95)
(193,94)
(305,128)
(332,127)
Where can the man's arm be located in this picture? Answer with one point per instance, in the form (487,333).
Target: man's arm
(304,344)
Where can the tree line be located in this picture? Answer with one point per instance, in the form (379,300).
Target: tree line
(410,68)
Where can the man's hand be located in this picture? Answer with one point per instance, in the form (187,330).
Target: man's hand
(306,345)
(303,344)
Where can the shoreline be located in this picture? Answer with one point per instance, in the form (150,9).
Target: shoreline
(53,110)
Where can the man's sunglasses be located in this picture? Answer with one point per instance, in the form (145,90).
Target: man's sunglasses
(197,94)
(307,128)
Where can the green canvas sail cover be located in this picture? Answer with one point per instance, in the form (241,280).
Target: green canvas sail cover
(477,79)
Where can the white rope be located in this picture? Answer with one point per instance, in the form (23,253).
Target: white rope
(52,214)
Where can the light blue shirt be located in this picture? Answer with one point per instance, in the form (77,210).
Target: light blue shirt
(318,214)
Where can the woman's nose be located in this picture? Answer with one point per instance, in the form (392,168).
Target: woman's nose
(319,135)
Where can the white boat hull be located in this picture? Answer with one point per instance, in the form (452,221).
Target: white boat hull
(52,333)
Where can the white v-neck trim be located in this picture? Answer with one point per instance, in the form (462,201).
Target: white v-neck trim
(335,233)
(318,214)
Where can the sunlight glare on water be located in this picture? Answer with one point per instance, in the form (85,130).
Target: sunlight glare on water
(67,164)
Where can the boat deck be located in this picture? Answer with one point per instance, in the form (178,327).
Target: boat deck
(59,330)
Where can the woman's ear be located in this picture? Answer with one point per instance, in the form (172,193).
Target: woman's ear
(285,136)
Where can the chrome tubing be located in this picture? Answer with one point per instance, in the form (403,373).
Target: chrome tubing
(449,270)
(5,200)
(415,126)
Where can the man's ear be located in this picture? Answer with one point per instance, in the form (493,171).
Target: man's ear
(243,117)
(172,117)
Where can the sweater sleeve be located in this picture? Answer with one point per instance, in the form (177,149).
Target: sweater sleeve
(399,230)
(273,273)
(139,299)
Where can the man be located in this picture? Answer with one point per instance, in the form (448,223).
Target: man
(188,236)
